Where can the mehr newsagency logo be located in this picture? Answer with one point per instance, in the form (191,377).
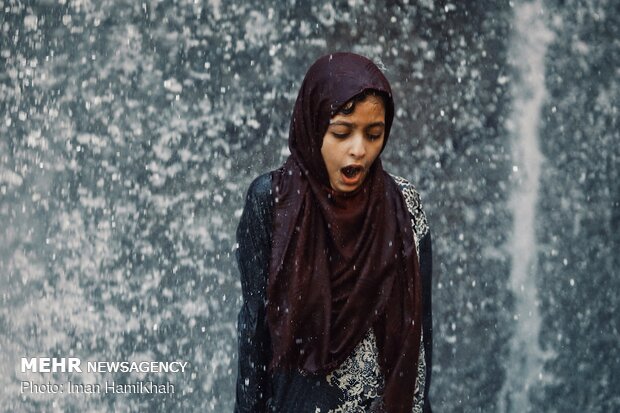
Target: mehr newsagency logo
(75,365)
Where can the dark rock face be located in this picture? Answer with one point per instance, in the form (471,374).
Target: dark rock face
(130,131)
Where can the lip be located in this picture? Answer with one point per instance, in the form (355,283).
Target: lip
(356,179)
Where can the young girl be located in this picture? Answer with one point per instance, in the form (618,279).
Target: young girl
(335,261)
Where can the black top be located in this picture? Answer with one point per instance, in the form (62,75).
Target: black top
(261,391)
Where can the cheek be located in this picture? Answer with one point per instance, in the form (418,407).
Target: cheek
(329,151)
(376,149)
(325,154)
(329,160)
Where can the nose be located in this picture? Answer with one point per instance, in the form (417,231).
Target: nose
(357,149)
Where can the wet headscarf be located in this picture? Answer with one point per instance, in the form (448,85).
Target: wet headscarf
(342,263)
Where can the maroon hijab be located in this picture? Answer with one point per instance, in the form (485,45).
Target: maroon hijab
(342,263)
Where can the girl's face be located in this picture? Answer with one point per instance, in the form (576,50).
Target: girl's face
(353,142)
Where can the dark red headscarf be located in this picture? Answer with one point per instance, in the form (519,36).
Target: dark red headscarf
(342,263)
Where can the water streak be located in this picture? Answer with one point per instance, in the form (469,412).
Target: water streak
(527,54)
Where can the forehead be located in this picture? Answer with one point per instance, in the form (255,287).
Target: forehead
(372,107)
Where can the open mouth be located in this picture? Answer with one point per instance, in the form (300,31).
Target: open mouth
(351,171)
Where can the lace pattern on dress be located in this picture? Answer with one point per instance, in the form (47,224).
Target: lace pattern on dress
(359,376)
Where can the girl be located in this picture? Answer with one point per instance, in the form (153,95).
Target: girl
(335,261)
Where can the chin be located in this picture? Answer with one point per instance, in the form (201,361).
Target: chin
(347,188)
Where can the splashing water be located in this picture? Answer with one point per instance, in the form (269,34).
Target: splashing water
(525,363)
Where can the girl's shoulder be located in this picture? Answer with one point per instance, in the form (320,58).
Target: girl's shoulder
(260,188)
(414,204)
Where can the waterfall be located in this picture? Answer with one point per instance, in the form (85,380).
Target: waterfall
(527,56)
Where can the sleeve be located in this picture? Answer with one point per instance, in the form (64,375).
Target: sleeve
(254,247)
(423,238)
(426,271)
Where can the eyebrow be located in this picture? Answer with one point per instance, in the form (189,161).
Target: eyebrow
(349,124)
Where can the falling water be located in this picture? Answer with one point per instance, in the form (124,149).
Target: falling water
(527,56)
